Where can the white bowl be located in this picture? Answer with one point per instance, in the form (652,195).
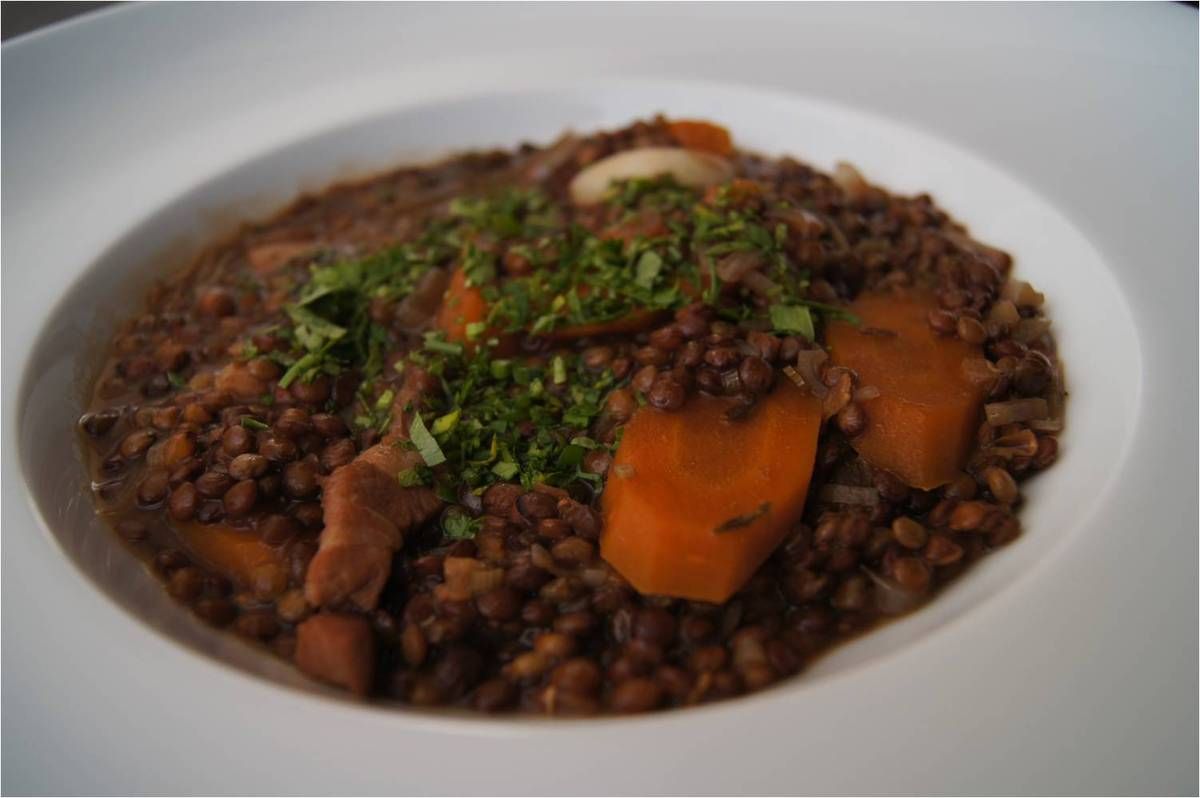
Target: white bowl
(950,686)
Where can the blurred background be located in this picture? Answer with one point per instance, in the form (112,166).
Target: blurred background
(22,17)
(18,18)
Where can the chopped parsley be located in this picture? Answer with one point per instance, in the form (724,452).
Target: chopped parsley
(498,420)
(793,319)
(657,250)
(457,525)
(427,445)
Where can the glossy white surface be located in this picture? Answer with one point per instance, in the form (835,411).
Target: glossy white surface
(1070,664)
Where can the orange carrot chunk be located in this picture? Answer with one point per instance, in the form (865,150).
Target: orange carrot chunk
(463,305)
(239,555)
(695,503)
(695,134)
(921,425)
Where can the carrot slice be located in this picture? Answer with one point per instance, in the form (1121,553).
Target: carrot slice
(695,503)
(238,554)
(696,134)
(463,304)
(921,425)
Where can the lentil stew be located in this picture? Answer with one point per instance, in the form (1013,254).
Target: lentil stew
(631,421)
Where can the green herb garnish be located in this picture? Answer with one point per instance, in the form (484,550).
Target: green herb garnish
(427,445)
(457,525)
(500,421)
(793,319)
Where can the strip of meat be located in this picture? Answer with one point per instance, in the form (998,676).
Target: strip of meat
(339,649)
(368,512)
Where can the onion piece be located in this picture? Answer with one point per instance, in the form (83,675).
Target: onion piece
(419,307)
(840,237)
(624,470)
(998,259)
(1028,330)
(545,163)
(1055,398)
(1047,425)
(849,180)
(890,598)
(1005,311)
(840,393)
(866,393)
(466,577)
(804,223)
(1015,444)
(760,284)
(734,266)
(1016,411)
(1023,294)
(849,494)
(793,375)
(690,168)
(980,371)
(808,363)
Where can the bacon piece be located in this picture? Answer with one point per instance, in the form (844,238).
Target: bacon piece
(367,514)
(339,649)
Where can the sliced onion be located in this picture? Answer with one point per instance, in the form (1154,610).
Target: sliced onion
(793,375)
(980,371)
(545,163)
(1029,330)
(734,266)
(416,309)
(1005,311)
(1047,425)
(466,577)
(850,180)
(866,393)
(804,223)
(1015,444)
(998,259)
(689,167)
(624,470)
(1016,411)
(1055,399)
(760,284)
(268,258)
(849,494)
(808,364)
(890,598)
(840,237)
(840,393)
(1023,294)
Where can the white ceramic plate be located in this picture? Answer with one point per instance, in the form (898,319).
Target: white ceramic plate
(1067,662)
